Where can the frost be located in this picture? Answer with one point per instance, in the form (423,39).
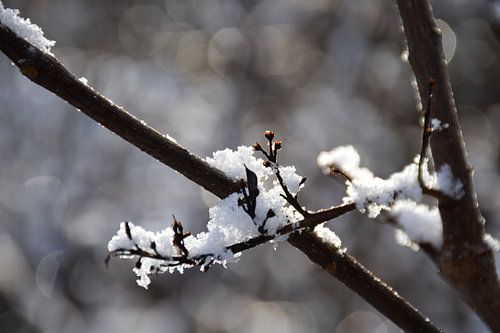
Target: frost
(328,235)
(437,125)
(445,183)
(84,80)
(421,223)
(345,158)
(25,29)
(228,222)
(492,242)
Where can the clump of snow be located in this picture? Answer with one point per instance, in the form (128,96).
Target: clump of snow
(399,194)
(492,242)
(84,80)
(373,194)
(444,182)
(437,125)
(421,223)
(170,138)
(228,223)
(290,178)
(376,194)
(233,163)
(25,29)
(328,235)
(344,158)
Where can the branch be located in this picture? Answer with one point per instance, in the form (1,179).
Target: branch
(466,262)
(47,72)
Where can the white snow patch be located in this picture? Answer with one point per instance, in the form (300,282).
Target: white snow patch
(437,125)
(345,158)
(373,194)
(25,29)
(421,223)
(84,80)
(376,194)
(492,242)
(328,235)
(445,182)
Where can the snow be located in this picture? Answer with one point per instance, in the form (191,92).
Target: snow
(345,158)
(228,223)
(399,194)
(291,179)
(437,125)
(84,80)
(421,223)
(374,194)
(233,163)
(445,183)
(328,235)
(25,29)
(492,242)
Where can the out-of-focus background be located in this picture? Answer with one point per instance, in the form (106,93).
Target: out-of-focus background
(216,74)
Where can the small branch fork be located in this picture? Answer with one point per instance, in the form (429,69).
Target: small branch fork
(272,163)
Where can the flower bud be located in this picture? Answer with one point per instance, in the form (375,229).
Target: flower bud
(277,145)
(269,135)
(256,146)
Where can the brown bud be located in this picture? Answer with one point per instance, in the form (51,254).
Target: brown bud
(269,135)
(242,183)
(267,164)
(257,147)
(277,144)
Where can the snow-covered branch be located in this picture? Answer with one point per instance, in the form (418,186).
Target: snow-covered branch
(262,211)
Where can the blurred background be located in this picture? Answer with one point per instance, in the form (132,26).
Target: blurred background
(216,74)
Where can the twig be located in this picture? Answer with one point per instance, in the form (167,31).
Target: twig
(465,262)
(272,162)
(53,76)
(426,136)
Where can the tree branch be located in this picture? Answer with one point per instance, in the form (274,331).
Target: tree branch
(465,261)
(47,72)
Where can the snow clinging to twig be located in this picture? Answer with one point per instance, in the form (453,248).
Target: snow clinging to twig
(421,223)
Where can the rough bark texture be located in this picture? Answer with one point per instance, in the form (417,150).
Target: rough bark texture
(465,261)
(46,71)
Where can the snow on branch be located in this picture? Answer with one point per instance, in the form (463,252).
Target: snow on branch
(399,194)
(262,211)
(25,29)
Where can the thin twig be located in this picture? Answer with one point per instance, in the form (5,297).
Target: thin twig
(426,136)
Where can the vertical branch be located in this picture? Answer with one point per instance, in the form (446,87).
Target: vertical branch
(465,260)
